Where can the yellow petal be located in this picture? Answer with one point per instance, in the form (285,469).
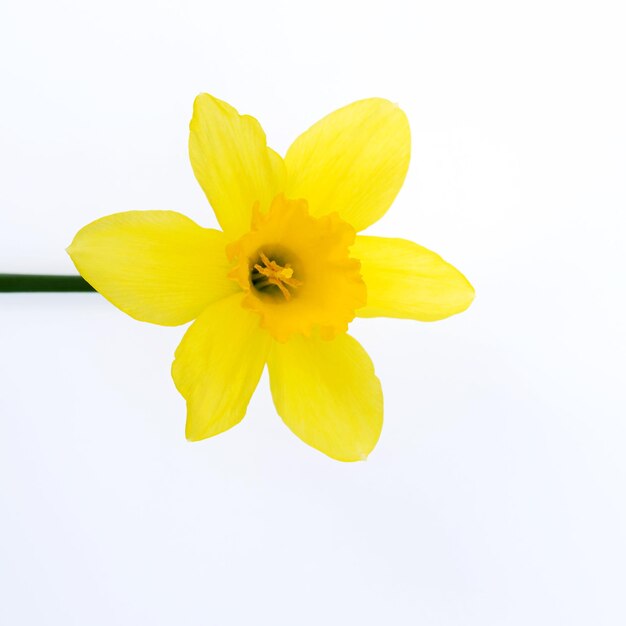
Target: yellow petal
(218,365)
(231,160)
(353,161)
(157,266)
(279,171)
(327,394)
(408,281)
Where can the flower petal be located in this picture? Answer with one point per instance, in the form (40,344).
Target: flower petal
(328,394)
(157,266)
(218,365)
(232,163)
(279,171)
(353,161)
(408,281)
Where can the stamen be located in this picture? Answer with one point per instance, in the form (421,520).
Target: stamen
(271,273)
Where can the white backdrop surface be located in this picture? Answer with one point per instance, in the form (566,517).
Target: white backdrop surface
(496,496)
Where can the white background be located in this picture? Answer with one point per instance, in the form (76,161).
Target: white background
(496,495)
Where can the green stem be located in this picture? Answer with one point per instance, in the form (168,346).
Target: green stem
(40,282)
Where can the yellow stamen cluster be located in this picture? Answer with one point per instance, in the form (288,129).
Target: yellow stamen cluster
(271,273)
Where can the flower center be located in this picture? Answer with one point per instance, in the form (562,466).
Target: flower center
(296,272)
(270,276)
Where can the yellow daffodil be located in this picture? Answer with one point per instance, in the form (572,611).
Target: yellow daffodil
(288,273)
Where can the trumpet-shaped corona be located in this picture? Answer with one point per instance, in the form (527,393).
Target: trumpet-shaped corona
(296,271)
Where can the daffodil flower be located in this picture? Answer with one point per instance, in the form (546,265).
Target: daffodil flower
(285,276)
